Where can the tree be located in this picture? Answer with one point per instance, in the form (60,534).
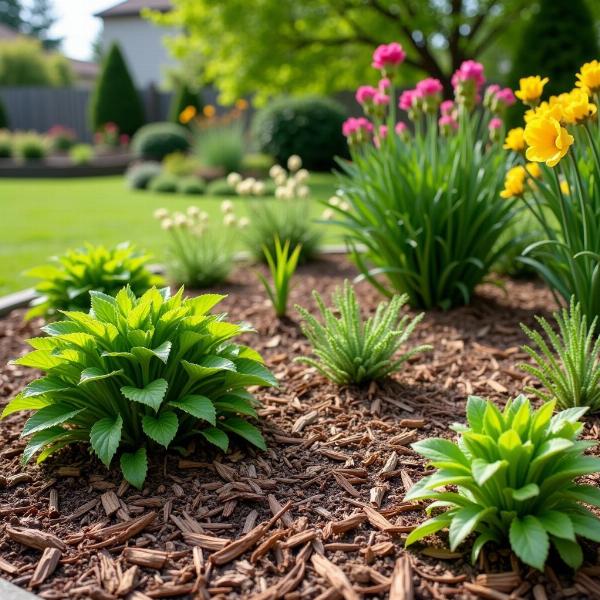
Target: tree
(182,98)
(11,14)
(276,46)
(564,36)
(115,99)
(39,19)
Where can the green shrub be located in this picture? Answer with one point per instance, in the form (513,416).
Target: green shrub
(30,146)
(6,144)
(180,164)
(140,175)
(568,367)
(66,282)
(115,99)
(81,154)
(220,187)
(156,140)
(164,184)
(221,146)
(257,163)
(182,98)
(140,372)
(309,127)
(4,124)
(514,471)
(350,350)
(61,138)
(191,185)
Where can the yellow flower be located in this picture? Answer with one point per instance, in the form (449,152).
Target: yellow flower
(577,107)
(241,104)
(514,182)
(209,111)
(187,114)
(553,108)
(564,187)
(548,142)
(514,140)
(530,89)
(588,78)
(534,170)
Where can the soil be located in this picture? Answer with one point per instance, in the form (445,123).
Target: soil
(339,463)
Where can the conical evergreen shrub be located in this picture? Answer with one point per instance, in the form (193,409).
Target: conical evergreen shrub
(182,98)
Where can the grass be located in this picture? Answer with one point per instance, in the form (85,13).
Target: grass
(44,217)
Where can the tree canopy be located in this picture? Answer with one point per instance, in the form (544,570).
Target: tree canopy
(275,46)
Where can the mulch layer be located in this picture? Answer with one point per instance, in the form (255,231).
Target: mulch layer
(320,514)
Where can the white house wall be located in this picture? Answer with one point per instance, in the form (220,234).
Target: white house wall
(142,45)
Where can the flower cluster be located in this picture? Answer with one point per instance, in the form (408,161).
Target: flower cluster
(109,135)
(290,184)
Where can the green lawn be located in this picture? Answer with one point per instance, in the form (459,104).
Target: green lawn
(44,217)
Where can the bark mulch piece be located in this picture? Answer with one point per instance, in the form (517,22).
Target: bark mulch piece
(320,514)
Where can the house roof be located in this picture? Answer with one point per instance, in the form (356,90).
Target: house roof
(129,8)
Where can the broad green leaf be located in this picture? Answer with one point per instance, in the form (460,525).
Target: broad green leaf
(531,490)
(39,359)
(134,466)
(481,540)
(202,304)
(440,450)
(233,404)
(585,493)
(198,406)
(428,527)
(529,541)
(105,436)
(20,402)
(163,351)
(483,470)
(45,385)
(250,372)
(245,430)
(207,366)
(464,522)
(216,437)
(557,524)
(161,428)
(104,306)
(49,416)
(475,410)
(41,439)
(152,395)
(92,374)
(570,415)
(61,327)
(569,551)
(586,525)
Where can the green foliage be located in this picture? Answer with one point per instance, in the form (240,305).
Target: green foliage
(288,221)
(164,184)
(351,350)
(140,175)
(4,124)
(81,154)
(256,163)
(191,185)
(220,187)
(157,140)
(182,98)
(29,146)
(68,280)
(139,372)
(554,54)
(180,164)
(221,146)
(61,138)
(310,127)
(115,99)
(6,144)
(568,367)
(282,266)
(514,474)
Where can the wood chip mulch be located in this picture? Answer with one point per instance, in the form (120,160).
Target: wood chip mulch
(320,515)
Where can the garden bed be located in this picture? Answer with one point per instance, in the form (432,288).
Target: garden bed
(339,463)
(63,166)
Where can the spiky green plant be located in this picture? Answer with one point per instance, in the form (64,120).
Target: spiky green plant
(67,281)
(514,474)
(282,266)
(569,366)
(136,373)
(352,350)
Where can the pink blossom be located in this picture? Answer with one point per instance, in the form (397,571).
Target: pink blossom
(407,98)
(110,127)
(447,107)
(447,122)
(506,96)
(470,70)
(354,125)
(381,99)
(494,124)
(492,90)
(429,87)
(384,85)
(400,128)
(383,131)
(388,55)
(365,94)
(124,139)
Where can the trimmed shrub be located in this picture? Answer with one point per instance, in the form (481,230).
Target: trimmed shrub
(164,184)
(257,163)
(221,146)
(81,154)
(310,127)
(115,99)
(3,116)
(140,175)
(157,140)
(180,164)
(183,98)
(191,185)
(220,187)
(29,146)
(6,144)
(61,138)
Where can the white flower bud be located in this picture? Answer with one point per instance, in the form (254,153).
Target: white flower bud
(203,217)
(233,179)
(244,222)
(229,220)
(328,214)
(193,211)
(345,206)
(274,171)
(167,224)
(294,162)
(302,175)
(280,193)
(281,179)
(303,192)
(258,188)
(180,219)
(161,213)
(334,201)
(227,206)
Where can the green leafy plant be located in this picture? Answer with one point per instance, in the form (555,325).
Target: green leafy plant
(6,144)
(139,372)
(568,367)
(164,184)
(157,140)
(66,282)
(221,145)
(140,175)
(350,349)
(282,266)
(220,187)
(514,474)
(180,164)
(191,185)
(81,154)
(29,146)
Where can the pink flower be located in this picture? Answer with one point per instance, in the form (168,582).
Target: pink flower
(388,55)
(110,127)
(494,124)
(492,90)
(349,127)
(407,97)
(470,70)
(429,87)
(447,108)
(354,126)
(447,123)
(383,131)
(365,94)
(400,128)
(124,139)
(506,96)
(384,85)
(381,99)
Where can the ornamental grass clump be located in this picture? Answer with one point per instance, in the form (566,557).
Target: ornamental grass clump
(558,180)
(351,350)
(135,373)
(568,364)
(65,283)
(513,473)
(421,211)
